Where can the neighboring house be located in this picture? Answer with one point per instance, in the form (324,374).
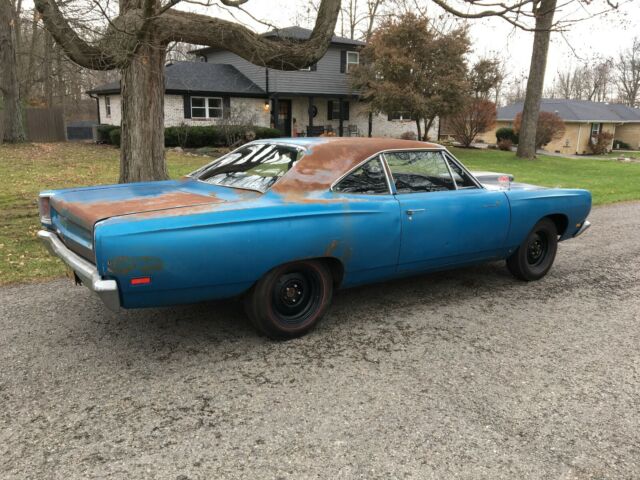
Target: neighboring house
(583,120)
(309,101)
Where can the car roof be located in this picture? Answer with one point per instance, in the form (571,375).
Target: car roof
(327,159)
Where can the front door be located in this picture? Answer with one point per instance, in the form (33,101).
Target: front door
(444,221)
(284,116)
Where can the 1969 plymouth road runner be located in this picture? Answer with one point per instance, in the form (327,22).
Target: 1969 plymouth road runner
(285,222)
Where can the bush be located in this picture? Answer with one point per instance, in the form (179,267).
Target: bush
(620,145)
(550,127)
(408,136)
(475,117)
(197,136)
(115,136)
(505,144)
(104,131)
(601,144)
(507,133)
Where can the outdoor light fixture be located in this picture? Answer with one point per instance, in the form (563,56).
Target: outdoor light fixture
(266,106)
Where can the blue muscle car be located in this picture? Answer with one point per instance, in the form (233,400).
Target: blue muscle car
(285,222)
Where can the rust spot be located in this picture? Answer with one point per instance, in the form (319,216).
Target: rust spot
(87,214)
(125,265)
(331,248)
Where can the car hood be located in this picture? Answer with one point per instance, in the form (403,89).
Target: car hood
(86,206)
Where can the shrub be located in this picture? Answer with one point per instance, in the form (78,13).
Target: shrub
(601,144)
(475,117)
(505,144)
(115,137)
(266,132)
(408,136)
(103,132)
(620,145)
(550,127)
(507,133)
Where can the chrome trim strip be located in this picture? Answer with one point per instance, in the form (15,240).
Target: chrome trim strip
(585,226)
(107,290)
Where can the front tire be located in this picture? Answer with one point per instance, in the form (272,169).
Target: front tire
(290,299)
(534,257)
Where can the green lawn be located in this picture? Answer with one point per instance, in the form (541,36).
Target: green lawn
(27,169)
(609,181)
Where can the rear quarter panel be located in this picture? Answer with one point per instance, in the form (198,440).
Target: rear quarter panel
(219,253)
(528,206)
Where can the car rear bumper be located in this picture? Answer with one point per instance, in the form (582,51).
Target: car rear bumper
(585,226)
(88,274)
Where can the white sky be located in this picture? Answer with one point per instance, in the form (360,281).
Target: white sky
(604,35)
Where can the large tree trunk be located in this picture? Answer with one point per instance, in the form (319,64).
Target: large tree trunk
(13,128)
(535,83)
(142,143)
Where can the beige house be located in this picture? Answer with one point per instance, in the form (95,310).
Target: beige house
(583,119)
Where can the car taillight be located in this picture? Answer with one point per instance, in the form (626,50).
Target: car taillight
(44,205)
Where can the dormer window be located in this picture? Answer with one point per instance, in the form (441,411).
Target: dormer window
(353,58)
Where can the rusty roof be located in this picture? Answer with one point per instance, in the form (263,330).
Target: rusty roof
(329,158)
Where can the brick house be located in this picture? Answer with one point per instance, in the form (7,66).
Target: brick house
(583,120)
(310,101)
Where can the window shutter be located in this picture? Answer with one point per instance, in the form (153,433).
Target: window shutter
(226,107)
(329,110)
(345,110)
(343,61)
(187,105)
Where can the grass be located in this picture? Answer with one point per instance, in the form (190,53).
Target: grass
(27,169)
(608,181)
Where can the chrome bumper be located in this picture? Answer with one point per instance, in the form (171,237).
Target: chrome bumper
(585,226)
(107,290)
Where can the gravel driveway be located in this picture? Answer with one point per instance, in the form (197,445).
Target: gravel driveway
(464,374)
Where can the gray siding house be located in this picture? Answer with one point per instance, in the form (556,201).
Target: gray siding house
(308,102)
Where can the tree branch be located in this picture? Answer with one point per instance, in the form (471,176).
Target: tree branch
(76,48)
(278,53)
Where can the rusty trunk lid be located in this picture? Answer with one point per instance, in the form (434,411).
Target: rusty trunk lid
(86,206)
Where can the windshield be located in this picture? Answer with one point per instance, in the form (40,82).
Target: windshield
(254,167)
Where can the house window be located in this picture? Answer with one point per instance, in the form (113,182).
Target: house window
(353,58)
(206,107)
(333,110)
(107,105)
(596,128)
(401,116)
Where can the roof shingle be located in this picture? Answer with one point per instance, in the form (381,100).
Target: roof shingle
(199,77)
(577,111)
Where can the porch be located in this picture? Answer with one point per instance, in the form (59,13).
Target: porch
(313,116)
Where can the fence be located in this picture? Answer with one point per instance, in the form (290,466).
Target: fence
(45,124)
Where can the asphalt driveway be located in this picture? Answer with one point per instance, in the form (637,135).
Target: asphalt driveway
(464,374)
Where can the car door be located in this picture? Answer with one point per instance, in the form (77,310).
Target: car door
(446,217)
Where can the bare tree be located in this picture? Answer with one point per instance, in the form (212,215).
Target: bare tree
(13,128)
(627,71)
(591,81)
(135,42)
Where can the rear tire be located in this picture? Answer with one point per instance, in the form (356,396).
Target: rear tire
(534,257)
(290,299)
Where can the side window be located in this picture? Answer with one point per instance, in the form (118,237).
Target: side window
(419,171)
(368,179)
(462,178)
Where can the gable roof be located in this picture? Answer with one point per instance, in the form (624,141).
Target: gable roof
(577,111)
(299,33)
(182,77)
(293,33)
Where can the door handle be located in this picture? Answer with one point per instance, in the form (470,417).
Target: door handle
(414,211)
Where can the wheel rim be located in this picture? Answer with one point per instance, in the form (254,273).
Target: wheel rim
(296,296)
(537,249)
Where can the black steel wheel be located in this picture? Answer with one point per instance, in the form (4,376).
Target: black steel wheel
(535,255)
(289,300)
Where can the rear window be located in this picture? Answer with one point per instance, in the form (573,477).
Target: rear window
(253,167)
